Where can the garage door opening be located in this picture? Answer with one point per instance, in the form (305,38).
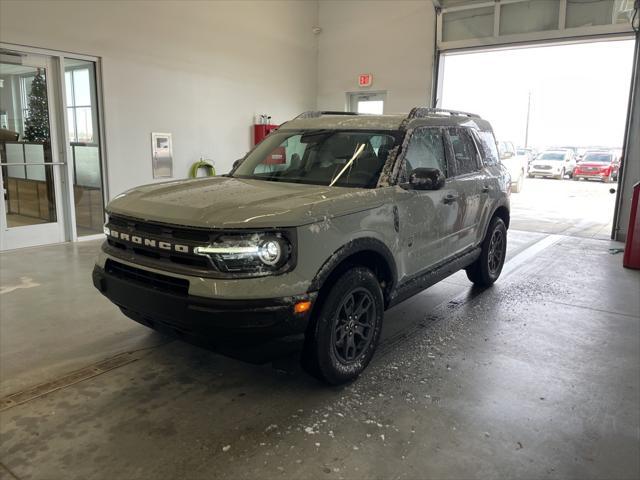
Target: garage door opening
(559,115)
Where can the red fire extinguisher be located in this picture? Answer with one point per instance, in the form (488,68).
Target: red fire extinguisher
(631,257)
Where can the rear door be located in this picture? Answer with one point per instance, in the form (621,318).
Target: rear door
(466,205)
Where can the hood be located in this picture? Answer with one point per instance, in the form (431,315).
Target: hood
(224,202)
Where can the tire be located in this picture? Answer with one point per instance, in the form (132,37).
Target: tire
(575,179)
(325,356)
(486,269)
(517,188)
(530,175)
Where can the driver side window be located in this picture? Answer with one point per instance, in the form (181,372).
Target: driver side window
(425,150)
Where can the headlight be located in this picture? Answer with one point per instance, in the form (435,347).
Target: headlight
(253,253)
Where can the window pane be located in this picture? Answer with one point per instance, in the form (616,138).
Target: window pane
(531,16)
(68,89)
(81,87)
(374,107)
(71,123)
(468,24)
(85,149)
(582,13)
(464,151)
(84,125)
(488,147)
(426,150)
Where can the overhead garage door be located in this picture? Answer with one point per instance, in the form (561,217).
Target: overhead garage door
(477,24)
(468,23)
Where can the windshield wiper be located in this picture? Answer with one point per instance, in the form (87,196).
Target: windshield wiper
(348,164)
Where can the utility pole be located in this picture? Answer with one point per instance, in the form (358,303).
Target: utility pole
(526,132)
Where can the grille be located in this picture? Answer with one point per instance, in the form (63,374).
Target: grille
(158,281)
(161,233)
(542,167)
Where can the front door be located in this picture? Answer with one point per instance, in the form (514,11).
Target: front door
(31,212)
(427,218)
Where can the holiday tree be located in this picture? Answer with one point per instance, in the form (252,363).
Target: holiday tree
(37,123)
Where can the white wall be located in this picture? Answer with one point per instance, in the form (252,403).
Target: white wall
(199,70)
(392,39)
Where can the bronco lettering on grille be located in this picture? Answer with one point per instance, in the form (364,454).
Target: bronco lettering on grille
(148,242)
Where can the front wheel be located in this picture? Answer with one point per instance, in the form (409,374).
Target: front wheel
(346,328)
(486,269)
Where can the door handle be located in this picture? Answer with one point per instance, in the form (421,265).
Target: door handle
(450,198)
(485,189)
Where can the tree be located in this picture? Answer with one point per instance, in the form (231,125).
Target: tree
(37,122)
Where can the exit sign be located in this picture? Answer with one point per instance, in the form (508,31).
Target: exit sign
(365,80)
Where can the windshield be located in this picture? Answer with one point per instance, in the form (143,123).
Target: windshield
(320,157)
(597,158)
(552,156)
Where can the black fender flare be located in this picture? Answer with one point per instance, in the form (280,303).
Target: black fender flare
(503,204)
(349,250)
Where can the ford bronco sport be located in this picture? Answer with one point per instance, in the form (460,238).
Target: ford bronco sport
(331,220)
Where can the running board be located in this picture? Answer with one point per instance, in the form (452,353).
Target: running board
(423,281)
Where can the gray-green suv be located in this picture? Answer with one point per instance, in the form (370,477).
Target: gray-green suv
(331,220)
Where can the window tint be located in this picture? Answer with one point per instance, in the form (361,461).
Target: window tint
(425,150)
(488,148)
(464,151)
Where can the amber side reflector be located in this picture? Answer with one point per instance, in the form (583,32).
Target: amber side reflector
(302,307)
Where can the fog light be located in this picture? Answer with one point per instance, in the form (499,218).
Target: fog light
(302,307)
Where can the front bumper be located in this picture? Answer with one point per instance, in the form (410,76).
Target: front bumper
(594,175)
(200,320)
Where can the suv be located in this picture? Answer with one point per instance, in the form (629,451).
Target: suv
(515,162)
(601,165)
(553,163)
(329,221)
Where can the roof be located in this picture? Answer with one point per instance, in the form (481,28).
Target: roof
(416,118)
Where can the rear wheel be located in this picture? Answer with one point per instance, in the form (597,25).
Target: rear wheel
(486,269)
(346,328)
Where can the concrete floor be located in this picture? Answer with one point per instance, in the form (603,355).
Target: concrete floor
(538,377)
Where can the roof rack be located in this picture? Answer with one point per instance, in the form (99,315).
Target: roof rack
(317,114)
(422,112)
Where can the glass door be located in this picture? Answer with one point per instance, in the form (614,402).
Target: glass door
(31,212)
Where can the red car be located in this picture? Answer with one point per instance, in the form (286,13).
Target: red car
(601,166)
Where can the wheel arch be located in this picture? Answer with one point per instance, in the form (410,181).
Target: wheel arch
(366,252)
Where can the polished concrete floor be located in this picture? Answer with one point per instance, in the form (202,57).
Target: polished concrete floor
(537,377)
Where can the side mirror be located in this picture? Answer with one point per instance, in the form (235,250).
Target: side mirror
(426,179)
(506,155)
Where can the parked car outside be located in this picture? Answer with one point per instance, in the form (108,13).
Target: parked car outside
(516,164)
(366,211)
(602,165)
(553,164)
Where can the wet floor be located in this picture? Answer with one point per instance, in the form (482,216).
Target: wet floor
(537,377)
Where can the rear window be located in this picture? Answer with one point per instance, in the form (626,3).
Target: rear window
(597,157)
(552,156)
